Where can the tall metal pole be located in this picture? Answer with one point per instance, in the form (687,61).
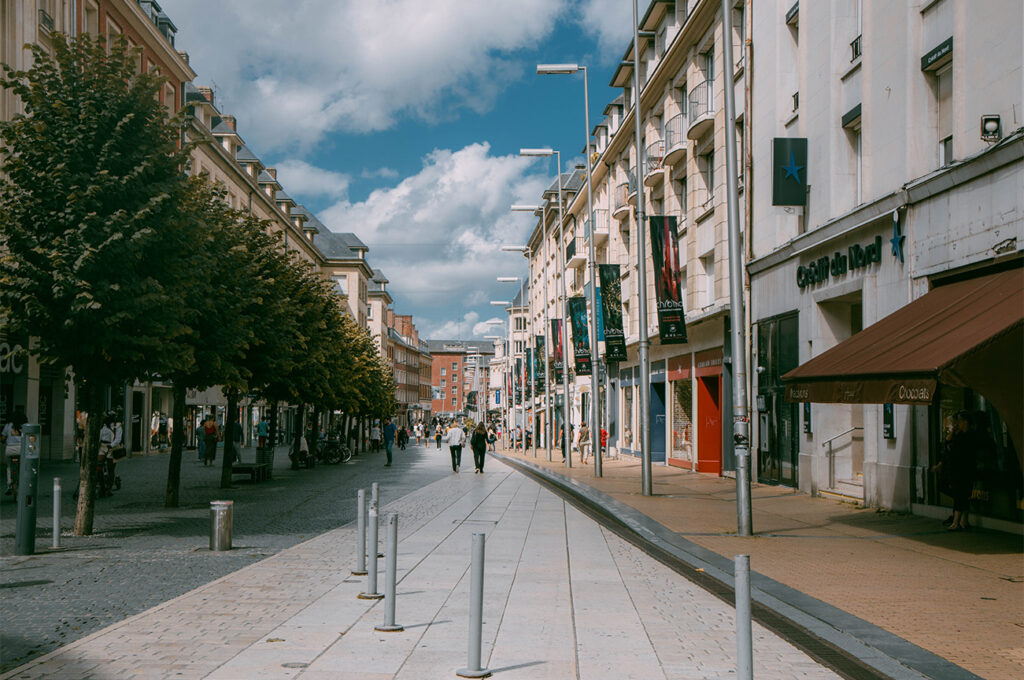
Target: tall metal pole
(641,254)
(547,325)
(566,404)
(740,417)
(594,311)
(522,373)
(533,376)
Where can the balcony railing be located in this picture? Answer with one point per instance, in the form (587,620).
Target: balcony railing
(601,224)
(855,49)
(701,101)
(621,196)
(575,252)
(675,138)
(654,158)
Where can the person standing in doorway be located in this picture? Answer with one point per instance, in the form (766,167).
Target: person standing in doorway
(456,438)
(389,438)
(479,445)
(957,468)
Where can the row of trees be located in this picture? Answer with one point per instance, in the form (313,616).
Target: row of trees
(122,267)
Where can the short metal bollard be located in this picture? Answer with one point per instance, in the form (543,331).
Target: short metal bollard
(360,569)
(371,565)
(56,512)
(390,577)
(744,640)
(375,500)
(220,524)
(476,613)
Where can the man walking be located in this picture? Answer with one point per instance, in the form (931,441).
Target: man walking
(456,438)
(389,438)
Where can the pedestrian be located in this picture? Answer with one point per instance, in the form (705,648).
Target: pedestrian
(479,445)
(375,436)
(105,463)
(957,468)
(403,437)
(238,432)
(211,433)
(389,438)
(604,441)
(492,437)
(584,442)
(456,438)
(438,435)
(262,432)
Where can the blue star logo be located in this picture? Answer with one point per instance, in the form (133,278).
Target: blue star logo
(897,241)
(792,170)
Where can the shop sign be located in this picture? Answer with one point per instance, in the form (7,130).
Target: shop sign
(856,257)
(10,359)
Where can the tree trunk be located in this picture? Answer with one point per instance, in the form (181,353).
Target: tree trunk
(362,434)
(177,443)
(230,419)
(273,424)
(87,468)
(300,416)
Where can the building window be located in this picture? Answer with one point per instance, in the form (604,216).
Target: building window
(453,401)
(455,366)
(706,166)
(708,262)
(944,113)
(444,382)
(341,282)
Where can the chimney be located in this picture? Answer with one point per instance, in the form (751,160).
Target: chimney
(270,171)
(207,92)
(184,55)
(230,120)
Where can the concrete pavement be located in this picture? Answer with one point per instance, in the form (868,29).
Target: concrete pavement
(890,586)
(564,598)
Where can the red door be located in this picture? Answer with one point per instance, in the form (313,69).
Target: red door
(709,425)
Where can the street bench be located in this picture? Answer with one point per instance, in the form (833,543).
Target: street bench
(257,471)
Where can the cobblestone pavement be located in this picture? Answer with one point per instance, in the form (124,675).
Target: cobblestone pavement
(564,598)
(142,554)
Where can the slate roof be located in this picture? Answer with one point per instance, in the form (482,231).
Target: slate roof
(332,245)
(245,155)
(192,94)
(266,178)
(353,241)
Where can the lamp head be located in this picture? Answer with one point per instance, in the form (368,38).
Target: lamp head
(509,279)
(537,152)
(514,249)
(500,303)
(545,69)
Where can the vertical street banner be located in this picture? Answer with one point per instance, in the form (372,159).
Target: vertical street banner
(611,310)
(529,373)
(667,280)
(556,346)
(580,334)
(539,375)
(789,171)
(519,380)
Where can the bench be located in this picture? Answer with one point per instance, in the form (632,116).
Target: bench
(257,471)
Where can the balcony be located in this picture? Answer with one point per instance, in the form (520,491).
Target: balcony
(576,253)
(702,109)
(654,156)
(601,224)
(625,196)
(675,139)
(632,187)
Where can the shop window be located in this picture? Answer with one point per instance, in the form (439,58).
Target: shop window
(682,421)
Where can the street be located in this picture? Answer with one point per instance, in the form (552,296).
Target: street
(142,554)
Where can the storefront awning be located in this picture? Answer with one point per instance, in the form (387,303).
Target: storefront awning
(967,334)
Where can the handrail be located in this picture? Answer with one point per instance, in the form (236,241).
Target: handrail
(841,434)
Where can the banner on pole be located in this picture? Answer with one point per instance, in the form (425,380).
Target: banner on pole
(556,345)
(538,370)
(580,335)
(611,310)
(519,380)
(667,280)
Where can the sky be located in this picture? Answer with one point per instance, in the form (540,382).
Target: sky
(402,120)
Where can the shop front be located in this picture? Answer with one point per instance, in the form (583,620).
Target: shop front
(682,452)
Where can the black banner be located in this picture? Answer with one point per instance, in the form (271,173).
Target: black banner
(667,280)
(519,380)
(556,345)
(789,171)
(580,335)
(539,375)
(611,310)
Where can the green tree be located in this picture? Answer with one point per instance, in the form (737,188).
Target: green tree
(90,187)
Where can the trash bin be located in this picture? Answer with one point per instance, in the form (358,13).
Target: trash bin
(220,524)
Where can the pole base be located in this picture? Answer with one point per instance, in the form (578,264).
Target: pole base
(389,629)
(370,596)
(359,573)
(469,673)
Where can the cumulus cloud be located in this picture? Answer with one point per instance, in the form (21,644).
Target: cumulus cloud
(382,173)
(452,329)
(437,235)
(302,179)
(320,66)
(611,22)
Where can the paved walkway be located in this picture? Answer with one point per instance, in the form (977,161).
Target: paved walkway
(957,595)
(564,598)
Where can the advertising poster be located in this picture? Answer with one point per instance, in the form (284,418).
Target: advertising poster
(611,310)
(519,380)
(538,368)
(667,280)
(580,335)
(556,346)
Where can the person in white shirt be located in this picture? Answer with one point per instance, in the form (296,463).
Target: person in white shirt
(375,437)
(455,438)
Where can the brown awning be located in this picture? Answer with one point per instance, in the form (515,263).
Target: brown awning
(967,333)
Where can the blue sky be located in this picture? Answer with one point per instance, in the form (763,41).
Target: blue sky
(401,121)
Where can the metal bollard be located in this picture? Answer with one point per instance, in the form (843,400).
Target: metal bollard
(390,576)
(476,613)
(360,569)
(371,571)
(56,512)
(744,644)
(220,524)
(375,500)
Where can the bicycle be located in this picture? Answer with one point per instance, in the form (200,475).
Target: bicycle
(333,452)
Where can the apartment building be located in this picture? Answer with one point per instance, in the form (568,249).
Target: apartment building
(904,121)
(460,377)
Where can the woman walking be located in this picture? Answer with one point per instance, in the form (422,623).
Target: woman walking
(479,445)
(211,433)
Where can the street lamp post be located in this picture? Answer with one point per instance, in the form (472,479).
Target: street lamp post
(566,402)
(504,372)
(591,251)
(519,280)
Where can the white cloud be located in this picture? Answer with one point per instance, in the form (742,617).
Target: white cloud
(437,235)
(302,179)
(313,67)
(611,22)
(382,173)
(489,327)
(453,329)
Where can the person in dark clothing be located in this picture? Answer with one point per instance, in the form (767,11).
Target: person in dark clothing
(478,442)
(403,437)
(957,468)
